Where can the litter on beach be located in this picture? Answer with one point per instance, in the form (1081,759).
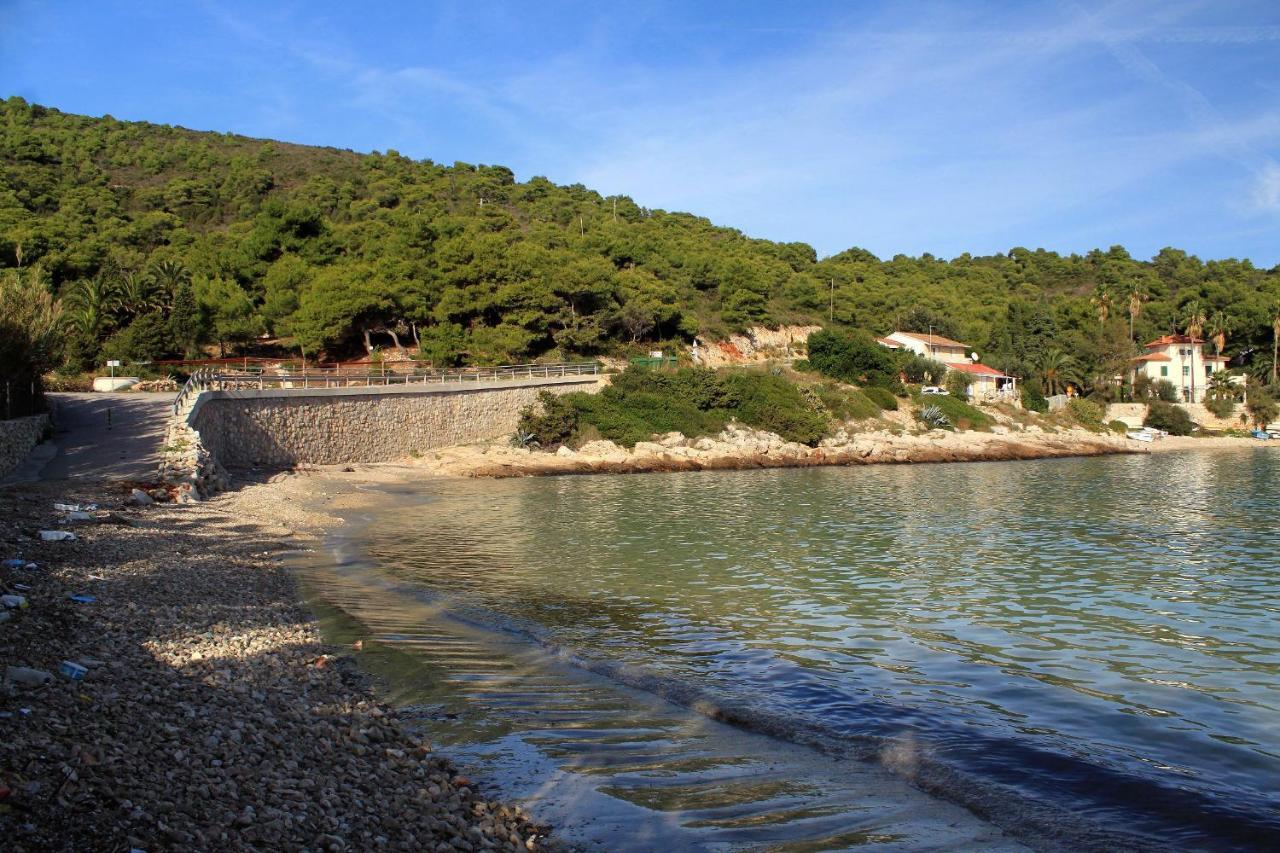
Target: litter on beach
(19,564)
(13,602)
(72,670)
(57,535)
(75,507)
(82,598)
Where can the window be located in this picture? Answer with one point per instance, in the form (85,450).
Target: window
(1208,368)
(1186,370)
(1164,370)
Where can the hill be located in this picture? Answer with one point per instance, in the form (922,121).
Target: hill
(160,239)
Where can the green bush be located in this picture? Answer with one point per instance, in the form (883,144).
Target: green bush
(846,404)
(1221,407)
(772,403)
(882,397)
(1168,417)
(1165,391)
(1118,426)
(1033,400)
(958,384)
(961,415)
(550,421)
(920,370)
(1085,412)
(852,357)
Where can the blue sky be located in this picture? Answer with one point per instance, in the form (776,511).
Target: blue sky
(897,127)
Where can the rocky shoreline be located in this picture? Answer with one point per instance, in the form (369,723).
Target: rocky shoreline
(208,714)
(739,448)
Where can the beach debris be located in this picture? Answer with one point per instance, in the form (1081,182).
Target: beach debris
(140,498)
(72,670)
(15,563)
(81,598)
(14,602)
(57,535)
(75,507)
(77,515)
(26,675)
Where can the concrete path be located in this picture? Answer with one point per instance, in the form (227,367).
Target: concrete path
(100,436)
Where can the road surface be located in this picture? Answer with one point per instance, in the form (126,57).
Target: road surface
(100,436)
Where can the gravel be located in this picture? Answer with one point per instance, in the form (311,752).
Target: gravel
(209,716)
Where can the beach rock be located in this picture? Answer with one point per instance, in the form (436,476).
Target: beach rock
(565,451)
(140,498)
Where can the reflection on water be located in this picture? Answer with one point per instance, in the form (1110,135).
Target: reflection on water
(1097,632)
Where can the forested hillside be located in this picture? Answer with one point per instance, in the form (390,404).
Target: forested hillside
(160,240)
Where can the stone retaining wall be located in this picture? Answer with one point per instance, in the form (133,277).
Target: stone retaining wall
(283,428)
(17,437)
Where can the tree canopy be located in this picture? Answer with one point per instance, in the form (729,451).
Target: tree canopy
(221,238)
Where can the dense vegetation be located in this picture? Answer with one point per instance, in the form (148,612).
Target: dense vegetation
(162,241)
(640,403)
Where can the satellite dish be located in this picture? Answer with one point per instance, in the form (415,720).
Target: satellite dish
(974,356)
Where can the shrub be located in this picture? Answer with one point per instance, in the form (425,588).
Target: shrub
(1262,407)
(552,420)
(852,357)
(1221,407)
(921,370)
(1033,400)
(959,413)
(958,384)
(934,417)
(1168,417)
(774,404)
(1165,391)
(1118,426)
(882,397)
(846,404)
(1085,412)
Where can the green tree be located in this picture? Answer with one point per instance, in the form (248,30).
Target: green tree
(1056,370)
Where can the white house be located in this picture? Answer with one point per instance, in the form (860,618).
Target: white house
(987,382)
(1179,359)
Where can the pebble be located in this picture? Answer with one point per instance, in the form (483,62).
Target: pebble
(210,715)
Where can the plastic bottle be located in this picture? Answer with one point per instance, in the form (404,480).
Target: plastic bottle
(27,675)
(14,602)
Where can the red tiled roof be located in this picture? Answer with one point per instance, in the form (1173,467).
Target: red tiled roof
(885,342)
(935,340)
(1169,340)
(1152,356)
(1214,358)
(977,369)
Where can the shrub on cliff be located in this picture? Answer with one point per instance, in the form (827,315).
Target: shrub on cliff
(959,413)
(550,421)
(772,403)
(882,397)
(852,357)
(1168,417)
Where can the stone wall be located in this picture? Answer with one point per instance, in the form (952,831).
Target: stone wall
(17,437)
(283,428)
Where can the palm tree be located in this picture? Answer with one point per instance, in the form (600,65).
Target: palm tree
(1275,339)
(1056,370)
(167,277)
(136,293)
(1193,322)
(1101,300)
(1137,296)
(1220,324)
(91,302)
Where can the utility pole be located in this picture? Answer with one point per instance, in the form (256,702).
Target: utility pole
(615,209)
(831,309)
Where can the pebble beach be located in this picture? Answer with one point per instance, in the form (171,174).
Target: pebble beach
(208,714)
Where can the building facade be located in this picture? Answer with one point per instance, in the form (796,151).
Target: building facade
(988,384)
(1182,361)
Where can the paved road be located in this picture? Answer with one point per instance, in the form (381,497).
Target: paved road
(101,436)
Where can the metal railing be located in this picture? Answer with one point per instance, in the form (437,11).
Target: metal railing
(259,378)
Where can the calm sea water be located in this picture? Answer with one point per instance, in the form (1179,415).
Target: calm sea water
(1097,638)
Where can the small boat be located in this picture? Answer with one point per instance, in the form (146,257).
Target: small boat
(1141,435)
(1262,435)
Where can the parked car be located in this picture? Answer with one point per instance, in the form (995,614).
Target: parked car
(933,389)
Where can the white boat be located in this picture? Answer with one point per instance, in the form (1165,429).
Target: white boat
(1140,435)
